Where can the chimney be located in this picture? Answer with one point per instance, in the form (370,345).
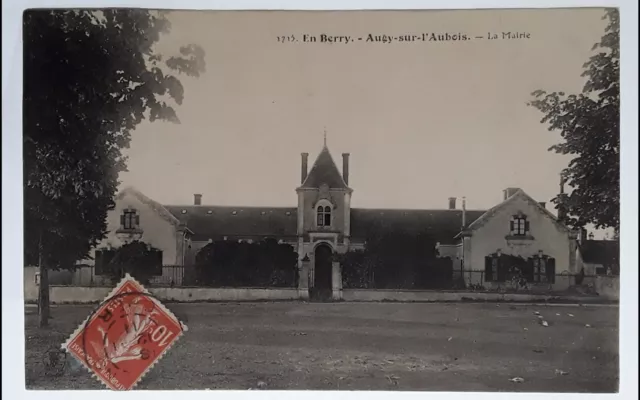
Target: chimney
(345,167)
(305,164)
(583,235)
(452,203)
(464,212)
(197,199)
(508,192)
(543,204)
(562,213)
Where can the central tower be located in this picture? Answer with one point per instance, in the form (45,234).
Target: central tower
(324,204)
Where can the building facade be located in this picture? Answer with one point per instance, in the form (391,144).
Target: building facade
(323,223)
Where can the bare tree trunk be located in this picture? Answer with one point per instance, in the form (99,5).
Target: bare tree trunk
(43,290)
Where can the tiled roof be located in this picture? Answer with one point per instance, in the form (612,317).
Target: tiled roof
(214,222)
(443,225)
(601,252)
(324,170)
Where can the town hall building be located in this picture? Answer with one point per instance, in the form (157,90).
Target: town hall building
(324,223)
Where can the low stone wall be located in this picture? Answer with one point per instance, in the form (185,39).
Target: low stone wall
(83,294)
(29,284)
(608,287)
(224,294)
(77,294)
(437,296)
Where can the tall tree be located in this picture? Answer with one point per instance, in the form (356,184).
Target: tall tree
(89,79)
(589,124)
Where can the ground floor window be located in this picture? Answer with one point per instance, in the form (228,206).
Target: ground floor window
(505,267)
(543,269)
(495,269)
(539,270)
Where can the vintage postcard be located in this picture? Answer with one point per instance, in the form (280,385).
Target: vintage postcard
(329,200)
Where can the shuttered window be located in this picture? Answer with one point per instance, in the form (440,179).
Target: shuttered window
(488,271)
(492,270)
(519,225)
(544,269)
(157,262)
(550,270)
(129,219)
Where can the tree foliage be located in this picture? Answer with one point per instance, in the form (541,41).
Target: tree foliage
(89,79)
(589,124)
(136,258)
(395,259)
(263,264)
(358,268)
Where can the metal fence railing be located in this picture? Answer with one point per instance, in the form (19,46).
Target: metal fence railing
(172,276)
(179,276)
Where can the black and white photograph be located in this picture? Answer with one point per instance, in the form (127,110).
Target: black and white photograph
(398,200)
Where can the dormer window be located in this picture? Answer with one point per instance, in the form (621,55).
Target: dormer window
(129,220)
(324,216)
(519,225)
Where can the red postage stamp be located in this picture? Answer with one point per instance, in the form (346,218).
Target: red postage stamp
(128,333)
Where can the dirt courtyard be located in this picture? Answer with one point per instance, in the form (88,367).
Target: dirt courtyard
(364,346)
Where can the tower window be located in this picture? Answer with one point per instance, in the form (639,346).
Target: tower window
(324,216)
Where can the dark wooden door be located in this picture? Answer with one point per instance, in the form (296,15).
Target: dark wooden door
(322,273)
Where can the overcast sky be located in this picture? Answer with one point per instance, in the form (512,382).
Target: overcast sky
(422,121)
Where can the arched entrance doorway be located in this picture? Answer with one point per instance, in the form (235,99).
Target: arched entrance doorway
(323,258)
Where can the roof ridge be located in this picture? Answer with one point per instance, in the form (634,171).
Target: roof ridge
(490,212)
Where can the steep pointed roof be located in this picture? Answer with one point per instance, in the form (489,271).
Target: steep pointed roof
(324,170)
(519,194)
(154,205)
